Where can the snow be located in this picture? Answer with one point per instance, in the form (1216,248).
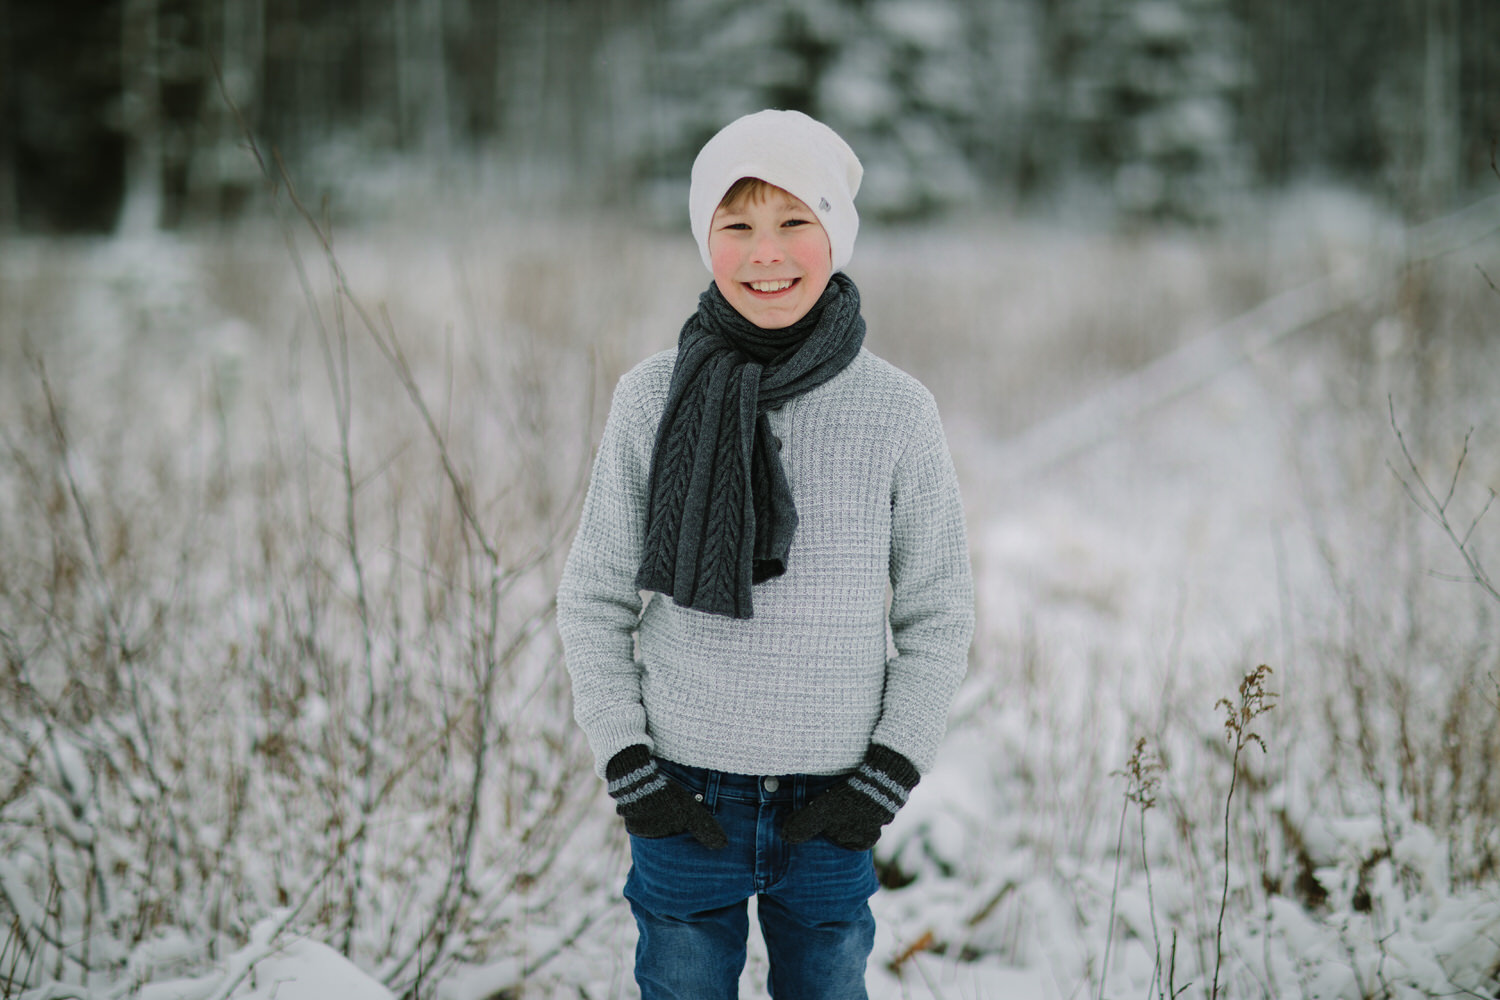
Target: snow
(1143,532)
(299,969)
(307,970)
(923,23)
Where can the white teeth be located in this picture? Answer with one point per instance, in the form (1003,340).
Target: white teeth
(771,286)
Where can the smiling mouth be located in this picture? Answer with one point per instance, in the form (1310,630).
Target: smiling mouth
(771,287)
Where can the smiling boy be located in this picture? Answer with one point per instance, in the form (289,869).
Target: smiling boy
(787,501)
(769,254)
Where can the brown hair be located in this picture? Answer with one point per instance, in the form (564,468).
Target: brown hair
(747,189)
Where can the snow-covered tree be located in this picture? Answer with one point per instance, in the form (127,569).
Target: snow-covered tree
(1152,91)
(898,79)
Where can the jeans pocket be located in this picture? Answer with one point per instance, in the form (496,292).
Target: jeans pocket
(694,779)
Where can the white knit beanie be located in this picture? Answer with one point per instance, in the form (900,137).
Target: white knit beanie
(792,151)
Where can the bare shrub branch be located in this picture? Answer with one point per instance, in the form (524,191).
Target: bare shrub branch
(1437,511)
(242,698)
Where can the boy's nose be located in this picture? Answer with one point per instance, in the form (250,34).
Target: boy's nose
(768,250)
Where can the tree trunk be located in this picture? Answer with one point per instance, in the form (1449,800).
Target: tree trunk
(142,208)
(7,114)
(1440,106)
(437,136)
(420,77)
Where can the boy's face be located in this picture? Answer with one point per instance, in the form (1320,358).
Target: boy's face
(771,257)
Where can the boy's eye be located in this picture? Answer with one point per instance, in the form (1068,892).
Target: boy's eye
(737,225)
(795,222)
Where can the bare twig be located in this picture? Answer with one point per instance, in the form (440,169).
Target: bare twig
(1457,989)
(1436,511)
(384,338)
(102,591)
(1174,991)
(337,368)
(1487,279)
(1114,893)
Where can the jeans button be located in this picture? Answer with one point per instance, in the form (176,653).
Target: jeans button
(698,797)
(771,784)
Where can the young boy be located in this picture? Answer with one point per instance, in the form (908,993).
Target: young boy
(768,485)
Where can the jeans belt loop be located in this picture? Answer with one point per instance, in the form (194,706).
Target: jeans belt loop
(799,791)
(711,789)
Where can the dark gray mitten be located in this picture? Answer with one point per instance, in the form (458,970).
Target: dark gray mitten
(654,805)
(851,813)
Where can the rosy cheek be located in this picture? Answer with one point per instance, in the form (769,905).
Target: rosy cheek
(724,267)
(721,257)
(817,248)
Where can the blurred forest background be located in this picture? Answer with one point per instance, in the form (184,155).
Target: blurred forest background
(280,529)
(111,117)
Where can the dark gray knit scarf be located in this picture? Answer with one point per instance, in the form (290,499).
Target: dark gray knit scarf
(720,515)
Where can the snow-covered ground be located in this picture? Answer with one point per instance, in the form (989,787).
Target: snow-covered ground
(242,737)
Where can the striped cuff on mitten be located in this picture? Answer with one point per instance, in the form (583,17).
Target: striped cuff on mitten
(632,775)
(886,778)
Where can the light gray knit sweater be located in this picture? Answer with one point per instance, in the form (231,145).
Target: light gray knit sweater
(816,675)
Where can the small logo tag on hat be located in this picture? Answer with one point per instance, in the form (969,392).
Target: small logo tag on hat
(823,205)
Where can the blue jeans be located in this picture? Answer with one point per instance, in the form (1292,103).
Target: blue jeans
(690,902)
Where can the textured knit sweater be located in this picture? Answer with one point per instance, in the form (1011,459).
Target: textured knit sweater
(826,665)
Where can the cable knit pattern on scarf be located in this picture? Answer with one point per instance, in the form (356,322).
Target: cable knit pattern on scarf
(822,669)
(720,515)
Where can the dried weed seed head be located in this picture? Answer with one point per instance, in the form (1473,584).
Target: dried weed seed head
(1254,700)
(1143,772)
